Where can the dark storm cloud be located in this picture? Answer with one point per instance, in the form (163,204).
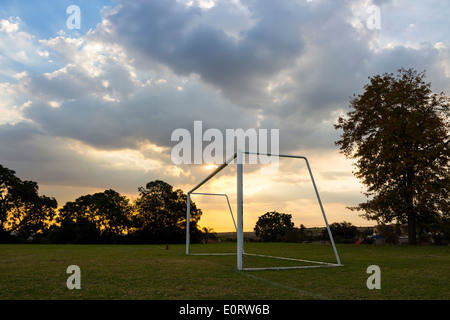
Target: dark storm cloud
(187,41)
(40,156)
(152,113)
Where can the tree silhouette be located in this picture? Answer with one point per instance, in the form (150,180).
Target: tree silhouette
(273,226)
(398,133)
(161,214)
(22,210)
(100,217)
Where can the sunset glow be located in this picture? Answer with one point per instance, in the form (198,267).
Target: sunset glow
(91,105)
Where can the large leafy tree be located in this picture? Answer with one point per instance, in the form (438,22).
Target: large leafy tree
(398,133)
(22,210)
(161,214)
(102,216)
(273,226)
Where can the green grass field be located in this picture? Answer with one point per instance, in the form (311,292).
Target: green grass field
(152,272)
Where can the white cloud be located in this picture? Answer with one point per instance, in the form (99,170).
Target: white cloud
(8,26)
(20,75)
(19,50)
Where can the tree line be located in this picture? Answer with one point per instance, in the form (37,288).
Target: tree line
(278,227)
(158,215)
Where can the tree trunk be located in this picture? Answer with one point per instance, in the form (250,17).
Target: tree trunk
(411,211)
(412,229)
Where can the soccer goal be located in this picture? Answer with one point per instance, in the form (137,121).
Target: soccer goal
(238,223)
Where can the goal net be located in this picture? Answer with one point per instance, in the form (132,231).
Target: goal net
(245,256)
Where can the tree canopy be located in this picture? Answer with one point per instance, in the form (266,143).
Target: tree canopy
(100,217)
(22,210)
(158,215)
(273,226)
(398,133)
(161,213)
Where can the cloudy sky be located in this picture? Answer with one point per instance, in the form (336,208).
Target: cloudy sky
(91,108)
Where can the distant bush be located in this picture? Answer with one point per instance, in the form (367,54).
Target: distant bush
(390,234)
(343,232)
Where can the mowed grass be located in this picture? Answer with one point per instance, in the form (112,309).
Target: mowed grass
(147,272)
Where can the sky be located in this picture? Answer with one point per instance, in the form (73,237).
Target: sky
(92,108)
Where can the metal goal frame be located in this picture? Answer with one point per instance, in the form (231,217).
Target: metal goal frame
(239,226)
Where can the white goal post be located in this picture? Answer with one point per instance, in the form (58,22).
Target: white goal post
(239,226)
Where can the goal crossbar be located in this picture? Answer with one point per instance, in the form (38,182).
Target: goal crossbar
(239,227)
